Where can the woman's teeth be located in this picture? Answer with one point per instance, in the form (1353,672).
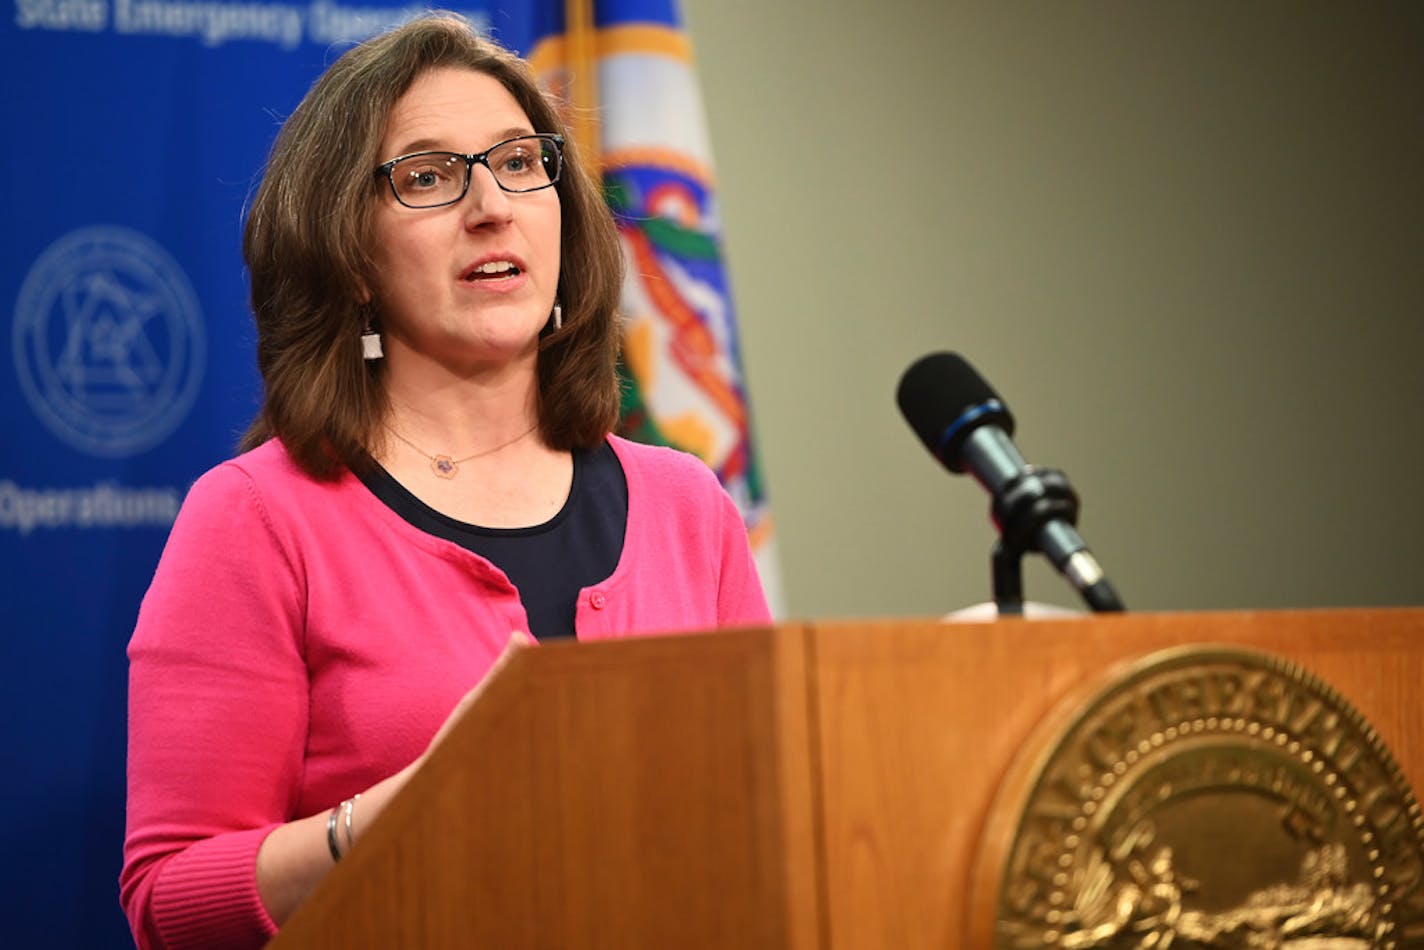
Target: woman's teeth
(493,269)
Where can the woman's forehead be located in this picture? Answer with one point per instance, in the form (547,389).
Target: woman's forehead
(457,108)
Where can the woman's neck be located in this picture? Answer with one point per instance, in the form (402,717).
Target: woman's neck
(446,413)
(469,447)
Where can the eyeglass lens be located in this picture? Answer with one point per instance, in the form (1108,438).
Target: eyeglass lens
(436,178)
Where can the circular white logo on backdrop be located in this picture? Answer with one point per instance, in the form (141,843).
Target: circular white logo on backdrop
(109,343)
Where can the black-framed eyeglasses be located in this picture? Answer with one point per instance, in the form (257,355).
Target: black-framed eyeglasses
(433,179)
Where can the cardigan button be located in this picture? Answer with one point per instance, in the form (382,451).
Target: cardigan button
(596,600)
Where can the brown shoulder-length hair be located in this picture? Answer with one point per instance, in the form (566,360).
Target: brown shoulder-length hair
(307,243)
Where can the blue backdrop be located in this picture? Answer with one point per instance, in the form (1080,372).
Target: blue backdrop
(136,130)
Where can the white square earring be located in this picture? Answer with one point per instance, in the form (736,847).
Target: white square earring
(371,344)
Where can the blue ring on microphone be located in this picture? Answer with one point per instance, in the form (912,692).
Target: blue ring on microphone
(966,418)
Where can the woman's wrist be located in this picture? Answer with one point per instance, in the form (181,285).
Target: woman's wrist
(341,818)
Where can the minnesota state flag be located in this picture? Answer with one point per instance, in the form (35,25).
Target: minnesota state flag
(626,68)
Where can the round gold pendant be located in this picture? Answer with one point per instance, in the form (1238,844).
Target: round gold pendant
(444,466)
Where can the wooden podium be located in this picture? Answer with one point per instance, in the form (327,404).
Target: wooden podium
(815,785)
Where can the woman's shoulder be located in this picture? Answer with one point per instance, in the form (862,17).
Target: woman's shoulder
(662,463)
(266,476)
(672,483)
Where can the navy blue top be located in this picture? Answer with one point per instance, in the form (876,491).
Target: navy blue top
(549,563)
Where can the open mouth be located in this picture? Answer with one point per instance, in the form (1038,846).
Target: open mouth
(493,270)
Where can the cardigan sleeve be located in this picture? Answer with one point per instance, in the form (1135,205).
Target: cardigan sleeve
(741,601)
(218,715)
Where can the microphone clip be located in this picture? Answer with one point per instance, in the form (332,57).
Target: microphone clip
(1021,509)
(1038,511)
(1032,499)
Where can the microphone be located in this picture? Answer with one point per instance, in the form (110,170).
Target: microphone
(965,425)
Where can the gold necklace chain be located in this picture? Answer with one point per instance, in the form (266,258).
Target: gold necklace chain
(446,467)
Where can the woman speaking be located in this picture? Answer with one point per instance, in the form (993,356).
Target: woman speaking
(431,481)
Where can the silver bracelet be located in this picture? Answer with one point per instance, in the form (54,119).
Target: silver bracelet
(331,834)
(348,807)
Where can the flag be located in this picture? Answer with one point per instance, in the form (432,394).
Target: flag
(625,67)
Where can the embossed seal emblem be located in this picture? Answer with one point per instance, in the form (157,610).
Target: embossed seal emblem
(1207,797)
(109,342)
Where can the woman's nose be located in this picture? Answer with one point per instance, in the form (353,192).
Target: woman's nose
(485,202)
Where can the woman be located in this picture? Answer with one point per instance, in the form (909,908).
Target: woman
(430,480)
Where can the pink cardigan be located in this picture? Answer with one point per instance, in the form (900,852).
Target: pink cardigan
(301,641)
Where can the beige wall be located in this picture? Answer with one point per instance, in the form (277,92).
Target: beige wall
(1183,241)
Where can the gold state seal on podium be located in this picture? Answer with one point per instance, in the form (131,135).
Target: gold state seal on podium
(1203,797)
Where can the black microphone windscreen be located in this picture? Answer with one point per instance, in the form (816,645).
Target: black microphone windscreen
(937,391)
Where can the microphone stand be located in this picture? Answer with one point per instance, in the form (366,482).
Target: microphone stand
(1007,568)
